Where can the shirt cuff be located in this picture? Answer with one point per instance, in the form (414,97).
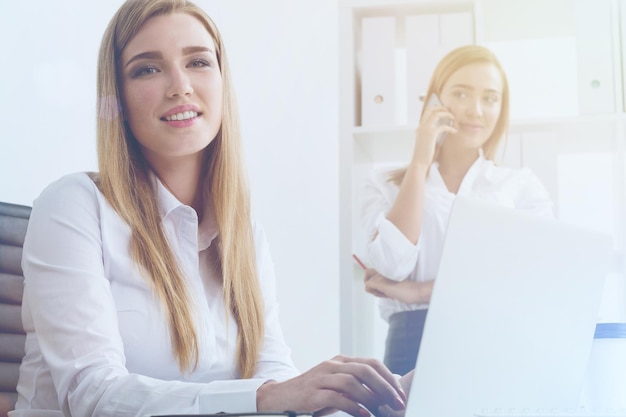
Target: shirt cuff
(238,396)
(391,253)
(391,234)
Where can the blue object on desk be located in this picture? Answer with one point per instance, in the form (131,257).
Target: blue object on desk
(610,331)
(605,383)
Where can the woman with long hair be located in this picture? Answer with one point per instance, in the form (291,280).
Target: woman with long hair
(405,211)
(148,288)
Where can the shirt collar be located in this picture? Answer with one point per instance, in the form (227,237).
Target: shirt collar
(207,229)
(166,200)
(470,175)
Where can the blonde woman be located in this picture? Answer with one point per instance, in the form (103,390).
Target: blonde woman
(405,212)
(148,290)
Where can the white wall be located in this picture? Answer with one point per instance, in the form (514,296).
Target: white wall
(283,56)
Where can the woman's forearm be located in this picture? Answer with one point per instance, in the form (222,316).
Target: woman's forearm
(406,212)
(411,292)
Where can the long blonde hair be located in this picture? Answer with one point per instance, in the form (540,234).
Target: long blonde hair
(449,64)
(125,180)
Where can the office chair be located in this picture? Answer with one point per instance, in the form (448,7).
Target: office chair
(13,223)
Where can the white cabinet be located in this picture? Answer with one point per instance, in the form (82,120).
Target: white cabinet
(596,38)
(561,56)
(563,59)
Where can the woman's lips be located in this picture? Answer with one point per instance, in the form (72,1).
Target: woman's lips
(182,112)
(186,115)
(470,126)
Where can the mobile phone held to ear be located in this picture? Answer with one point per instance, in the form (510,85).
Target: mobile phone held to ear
(434,101)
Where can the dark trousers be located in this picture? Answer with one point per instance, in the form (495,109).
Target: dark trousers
(403,340)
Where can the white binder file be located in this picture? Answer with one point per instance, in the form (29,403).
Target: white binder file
(378,71)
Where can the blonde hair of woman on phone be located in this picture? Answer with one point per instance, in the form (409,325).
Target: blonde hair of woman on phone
(149,290)
(405,211)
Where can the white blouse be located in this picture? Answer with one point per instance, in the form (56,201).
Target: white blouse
(395,257)
(97,340)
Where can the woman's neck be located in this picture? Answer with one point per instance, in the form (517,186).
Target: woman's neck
(183,181)
(456,161)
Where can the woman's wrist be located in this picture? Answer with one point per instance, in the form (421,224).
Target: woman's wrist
(418,167)
(412,292)
(424,292)
(264,396)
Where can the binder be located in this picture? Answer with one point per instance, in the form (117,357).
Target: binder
(378,37)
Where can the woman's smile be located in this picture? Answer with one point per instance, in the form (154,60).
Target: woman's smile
(470,127)
(182,116)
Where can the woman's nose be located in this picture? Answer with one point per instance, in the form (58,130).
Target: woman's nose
(474,108)
(180,84)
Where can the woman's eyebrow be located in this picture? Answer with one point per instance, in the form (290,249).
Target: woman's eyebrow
(145,55)
(469,87)
(188,50)
(493,90)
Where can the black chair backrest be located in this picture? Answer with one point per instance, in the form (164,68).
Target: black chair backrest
(13,223)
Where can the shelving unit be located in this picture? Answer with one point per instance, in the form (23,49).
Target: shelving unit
(570,111)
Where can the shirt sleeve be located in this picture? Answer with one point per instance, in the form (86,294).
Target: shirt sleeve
(275,358)
(387,249)
(71,314)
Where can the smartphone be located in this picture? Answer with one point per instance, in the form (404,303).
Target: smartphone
(434,101)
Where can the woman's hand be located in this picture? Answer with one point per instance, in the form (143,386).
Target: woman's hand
(435,121)
(408,292)
(386,411)
(352,385)
(375,283)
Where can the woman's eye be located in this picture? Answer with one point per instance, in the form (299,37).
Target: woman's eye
(460,94)
(200,63)
(491,99)
(143,71)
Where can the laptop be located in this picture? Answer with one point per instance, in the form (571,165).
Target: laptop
(512,315)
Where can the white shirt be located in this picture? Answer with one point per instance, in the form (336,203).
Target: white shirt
(97,341)
(397,258)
